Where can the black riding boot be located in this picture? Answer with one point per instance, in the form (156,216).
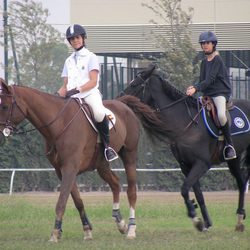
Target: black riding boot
(103,128)
(229,152)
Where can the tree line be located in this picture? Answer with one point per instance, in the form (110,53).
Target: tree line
(41,51)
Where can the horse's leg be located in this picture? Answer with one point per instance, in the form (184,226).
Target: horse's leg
(108,176)
(195,173)
(200,199)
(87,227)
(68,177)
(132,197)
(129,161)
(234,167)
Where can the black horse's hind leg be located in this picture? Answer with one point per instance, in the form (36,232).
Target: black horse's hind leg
(234,167)
(87,227)
(200,199)
(195,173)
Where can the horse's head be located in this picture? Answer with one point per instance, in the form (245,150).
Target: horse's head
(9,114)
(137,86)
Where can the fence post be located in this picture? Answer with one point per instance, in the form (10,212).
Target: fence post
(11,181)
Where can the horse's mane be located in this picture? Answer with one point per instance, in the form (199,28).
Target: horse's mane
(171,91)
(37,91)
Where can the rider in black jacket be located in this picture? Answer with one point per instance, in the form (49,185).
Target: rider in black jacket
(214,82)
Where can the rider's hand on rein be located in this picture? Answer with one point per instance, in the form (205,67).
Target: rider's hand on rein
(72,92)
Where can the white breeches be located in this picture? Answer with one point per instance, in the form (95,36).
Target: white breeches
(94,100)
(220,103)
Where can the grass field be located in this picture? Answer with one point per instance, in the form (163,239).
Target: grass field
(26,221)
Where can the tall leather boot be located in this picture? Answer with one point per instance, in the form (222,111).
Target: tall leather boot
(229,152)
(103,128)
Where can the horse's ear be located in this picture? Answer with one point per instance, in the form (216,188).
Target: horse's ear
(3,85)
(152,66)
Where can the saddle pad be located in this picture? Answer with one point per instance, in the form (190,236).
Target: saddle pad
(240,123)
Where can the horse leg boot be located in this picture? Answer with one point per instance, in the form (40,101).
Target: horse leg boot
(229,152)
(103,128)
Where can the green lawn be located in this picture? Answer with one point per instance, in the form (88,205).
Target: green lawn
(26,221)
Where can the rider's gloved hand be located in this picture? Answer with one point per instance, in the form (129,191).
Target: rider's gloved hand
(72,92)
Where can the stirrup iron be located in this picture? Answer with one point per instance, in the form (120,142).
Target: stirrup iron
(110,154)
(233,156)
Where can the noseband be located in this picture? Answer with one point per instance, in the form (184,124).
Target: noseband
(142,82)
(9,126)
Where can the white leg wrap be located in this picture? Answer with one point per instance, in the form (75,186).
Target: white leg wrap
(131,212)
(116,206)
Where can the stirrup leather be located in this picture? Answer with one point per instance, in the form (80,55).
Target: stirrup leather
(110,154)
(233,156)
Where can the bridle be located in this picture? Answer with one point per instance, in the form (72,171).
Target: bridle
(10,128)
(194,119)
(142,82)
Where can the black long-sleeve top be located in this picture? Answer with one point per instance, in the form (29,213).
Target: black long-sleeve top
(214,80)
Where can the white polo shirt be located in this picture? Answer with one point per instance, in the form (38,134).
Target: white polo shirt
(77,67)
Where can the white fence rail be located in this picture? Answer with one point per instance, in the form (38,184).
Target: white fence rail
(14,170)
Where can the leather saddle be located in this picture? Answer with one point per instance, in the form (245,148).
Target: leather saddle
(90,116)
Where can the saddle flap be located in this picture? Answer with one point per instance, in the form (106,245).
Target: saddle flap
(208,103)
(90,117)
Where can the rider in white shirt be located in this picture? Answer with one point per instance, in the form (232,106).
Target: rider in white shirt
(81,79)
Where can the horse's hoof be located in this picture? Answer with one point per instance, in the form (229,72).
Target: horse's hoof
(240,228)
(131,232)
(122,227)
(87,233)
(206,229)
(198,224)
(55,236)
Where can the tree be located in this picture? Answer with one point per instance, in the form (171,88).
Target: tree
(41,53)
(39,46)
(178,53)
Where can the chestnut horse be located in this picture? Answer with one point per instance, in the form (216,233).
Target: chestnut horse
(72,144)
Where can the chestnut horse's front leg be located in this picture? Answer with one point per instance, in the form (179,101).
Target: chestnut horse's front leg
(87,227)
(68,180)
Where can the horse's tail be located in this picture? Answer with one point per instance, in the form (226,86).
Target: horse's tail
(151,122)
(247,162)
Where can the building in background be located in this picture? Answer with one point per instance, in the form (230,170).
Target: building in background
(122,29)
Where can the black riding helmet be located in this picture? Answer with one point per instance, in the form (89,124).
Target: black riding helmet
(208,36)
(75,30)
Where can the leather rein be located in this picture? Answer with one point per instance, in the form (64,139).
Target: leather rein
(194,119)
(10,127)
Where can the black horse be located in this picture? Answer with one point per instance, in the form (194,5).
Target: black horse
(190,141)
